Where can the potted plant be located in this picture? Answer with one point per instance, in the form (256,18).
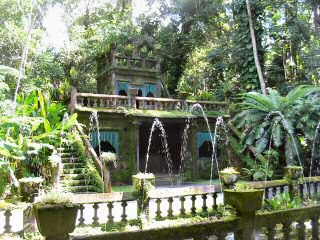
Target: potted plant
(142,183)
(143,52)
(293,172)
(229,176)
(55,215)
(29,188)
(244,198)
(128,50)
(109,159)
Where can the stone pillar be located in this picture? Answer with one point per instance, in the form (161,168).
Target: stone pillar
(133,94)
(194,150)
(137,125)
(107,178)
(247,231)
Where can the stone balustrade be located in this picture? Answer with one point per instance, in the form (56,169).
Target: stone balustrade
(144,103)
(97,209)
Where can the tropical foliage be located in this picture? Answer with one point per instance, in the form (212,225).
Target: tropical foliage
(274,121)
(31,134)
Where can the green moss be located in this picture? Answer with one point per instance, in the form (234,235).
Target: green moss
(94,177)
(151,113)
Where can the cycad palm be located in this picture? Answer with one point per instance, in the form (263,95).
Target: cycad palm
(275,120)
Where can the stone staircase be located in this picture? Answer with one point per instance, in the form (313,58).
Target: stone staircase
(74,177)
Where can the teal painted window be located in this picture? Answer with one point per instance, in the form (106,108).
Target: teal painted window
(143,90)
(123,86)
(203,137)
(151,88)
(111,136)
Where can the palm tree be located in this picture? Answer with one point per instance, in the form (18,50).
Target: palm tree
(275,121)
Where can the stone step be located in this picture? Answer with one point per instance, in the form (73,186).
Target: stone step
(70,159)
(73,165)
(80,189)
(80,182)
(73,170)
(68,154)
(73,176)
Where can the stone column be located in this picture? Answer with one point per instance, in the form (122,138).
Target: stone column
(137,125)
(194,150)
(107,178)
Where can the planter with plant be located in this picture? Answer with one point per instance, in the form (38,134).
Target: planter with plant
(143,183)
(29,188)
(229,176)
(293,172)
(55,215)
(144,52)
(109,159)
(128,50)
(244,198)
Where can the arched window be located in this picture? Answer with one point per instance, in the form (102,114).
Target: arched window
(106,146)
(122,93)
(150,94)
(205,150)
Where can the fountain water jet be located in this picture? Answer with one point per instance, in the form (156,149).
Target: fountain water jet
(94,125)
(164,141)
(213,139)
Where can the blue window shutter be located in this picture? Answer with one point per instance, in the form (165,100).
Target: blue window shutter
(151,88)
(203,137)
(123,86)
(111,136)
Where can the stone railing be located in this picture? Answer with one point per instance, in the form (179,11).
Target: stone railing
(144,103)
(169,203)
(286,224)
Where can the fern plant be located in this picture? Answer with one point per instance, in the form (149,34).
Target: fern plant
(279,121)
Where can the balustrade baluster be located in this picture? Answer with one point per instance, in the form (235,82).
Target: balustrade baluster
(158,212)
(7,226)
(315,188)
(182,209)
(271,232)
(204,202)
(110,217)
(170,211)
(124,204)
(95,214)
(214,206)
(274,191)
(266,193)
(281,189)
(81,218)
(301,230)
(95,102)
(315,228)
(301,188)
(80,101)
(193,204)
(286,229)
(309,185)
(114,104)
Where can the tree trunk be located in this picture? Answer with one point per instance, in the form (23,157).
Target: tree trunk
(316,17)
(255,50)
